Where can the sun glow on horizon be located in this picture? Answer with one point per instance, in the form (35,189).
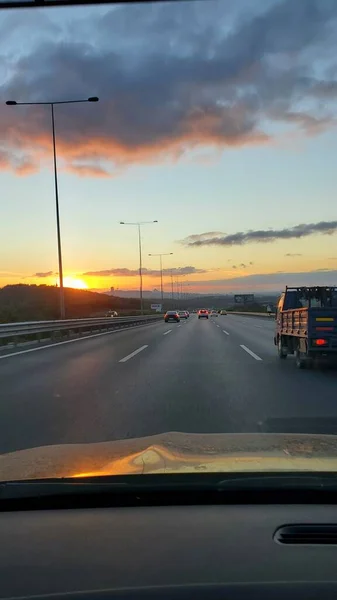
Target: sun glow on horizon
(75,282)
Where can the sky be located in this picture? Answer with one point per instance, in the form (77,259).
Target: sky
(216,118)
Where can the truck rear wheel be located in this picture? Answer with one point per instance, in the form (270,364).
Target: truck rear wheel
(282,353)
(303,361)
(300,360)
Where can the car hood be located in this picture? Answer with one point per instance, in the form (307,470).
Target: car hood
(175,453)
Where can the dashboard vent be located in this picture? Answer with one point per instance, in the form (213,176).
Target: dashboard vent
(306,534)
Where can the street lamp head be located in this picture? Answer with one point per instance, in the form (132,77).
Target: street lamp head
(122,222)
(154,221)
(93,99)
(11,103)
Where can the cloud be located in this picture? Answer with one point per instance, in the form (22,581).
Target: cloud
(88,170)
(241,266)
(292,254)
(262,235)
(44,274)
(123,272)
(206,235)
(171,77)
(269,281)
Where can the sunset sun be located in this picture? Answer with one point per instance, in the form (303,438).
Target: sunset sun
(74,282)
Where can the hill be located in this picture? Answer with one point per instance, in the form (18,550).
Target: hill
(41,302)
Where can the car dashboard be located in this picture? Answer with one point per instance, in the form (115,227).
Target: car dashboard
(178,552)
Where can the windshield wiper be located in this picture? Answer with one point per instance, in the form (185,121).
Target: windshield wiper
(280,481)
(203,482)
(150,490)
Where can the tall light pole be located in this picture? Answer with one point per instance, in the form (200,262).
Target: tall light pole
(58,228)
(178,287)
(138,224)
(161,271)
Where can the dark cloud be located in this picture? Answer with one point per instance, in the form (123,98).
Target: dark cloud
(122,272)
(44,274)
(292,254)
(170,77)
(272,281)
(262,235)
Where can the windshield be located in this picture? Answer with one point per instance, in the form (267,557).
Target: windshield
(156,158)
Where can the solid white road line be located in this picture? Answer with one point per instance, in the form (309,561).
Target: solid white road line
(166,332)
(123,360)
(86,337)
(250,352)
(226,332)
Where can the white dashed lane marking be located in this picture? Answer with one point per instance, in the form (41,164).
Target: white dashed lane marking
(250,352)
(126,358)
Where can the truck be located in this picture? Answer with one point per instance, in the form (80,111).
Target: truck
(306,325)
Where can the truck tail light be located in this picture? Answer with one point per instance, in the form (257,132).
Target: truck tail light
(320,342)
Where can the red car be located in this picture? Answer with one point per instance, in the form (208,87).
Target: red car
(171,315)
(203,313)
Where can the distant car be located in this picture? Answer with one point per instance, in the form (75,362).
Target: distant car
(171,315)
(214,313)
(188,314)
(183,314)
(112,313)
(223,312)
(203,313)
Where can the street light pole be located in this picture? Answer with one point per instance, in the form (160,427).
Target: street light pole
(140,270)
(161,271)
(59,247)
(161,279)
(138,225)
(58,227)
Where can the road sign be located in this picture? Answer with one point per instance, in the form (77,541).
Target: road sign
(156,307)
(244,299)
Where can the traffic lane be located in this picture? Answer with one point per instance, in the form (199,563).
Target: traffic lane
(177,383)
(192,383)
(31,356)
(287,399)
(46,394)
(255,332)
(36,346)
(193,379)
(209,383)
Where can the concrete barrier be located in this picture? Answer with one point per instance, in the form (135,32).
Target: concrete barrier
(252,314)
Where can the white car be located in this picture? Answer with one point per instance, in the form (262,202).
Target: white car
(214,314)
(183,314)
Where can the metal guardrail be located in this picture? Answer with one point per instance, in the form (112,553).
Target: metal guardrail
(10,331)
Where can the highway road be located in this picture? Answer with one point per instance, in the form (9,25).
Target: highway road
(216,375)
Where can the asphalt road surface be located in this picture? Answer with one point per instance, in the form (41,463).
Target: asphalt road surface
(201,376)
